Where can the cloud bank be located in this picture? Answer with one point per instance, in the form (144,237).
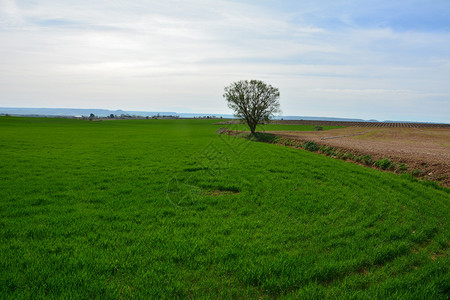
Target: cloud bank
(382,60)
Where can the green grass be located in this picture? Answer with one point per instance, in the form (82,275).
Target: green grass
(277,127)
(168,208)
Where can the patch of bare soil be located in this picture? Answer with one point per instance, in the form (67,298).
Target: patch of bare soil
(349,123)
(424,149)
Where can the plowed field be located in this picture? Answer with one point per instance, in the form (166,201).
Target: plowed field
(424,149)
(362,124)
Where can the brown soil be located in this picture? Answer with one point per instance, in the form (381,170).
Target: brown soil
(347,124)
(425,149)
(362,124)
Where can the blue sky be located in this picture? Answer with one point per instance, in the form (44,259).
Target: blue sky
(385,60)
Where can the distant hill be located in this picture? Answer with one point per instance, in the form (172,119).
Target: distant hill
(75,112)
(323,119)
(79,112)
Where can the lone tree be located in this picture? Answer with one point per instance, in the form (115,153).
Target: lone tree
(253,101)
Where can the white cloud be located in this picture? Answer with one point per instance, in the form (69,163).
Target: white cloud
(155,55)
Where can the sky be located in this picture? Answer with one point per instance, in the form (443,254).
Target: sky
(384,60)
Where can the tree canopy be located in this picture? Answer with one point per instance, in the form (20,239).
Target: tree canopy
(253,101)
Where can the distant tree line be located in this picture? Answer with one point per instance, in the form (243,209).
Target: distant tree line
(208,117)
(128,116)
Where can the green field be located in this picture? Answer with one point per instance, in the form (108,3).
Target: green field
(169,209)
